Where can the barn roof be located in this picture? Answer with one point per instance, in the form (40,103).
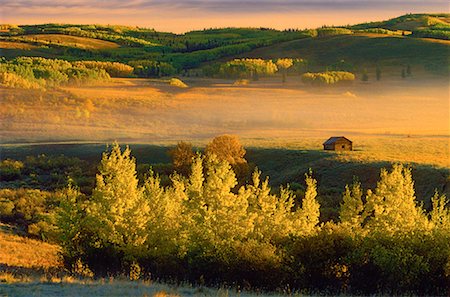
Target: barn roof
(333,139)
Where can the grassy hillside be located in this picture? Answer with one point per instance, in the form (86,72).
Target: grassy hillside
(418,25)
(362,50)
(359,44)
(409,22)
(70,41)
(125,44)
(21,252)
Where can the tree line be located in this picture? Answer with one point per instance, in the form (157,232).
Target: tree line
(34,72)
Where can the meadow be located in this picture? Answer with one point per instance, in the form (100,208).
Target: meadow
(282,125)
(81,215)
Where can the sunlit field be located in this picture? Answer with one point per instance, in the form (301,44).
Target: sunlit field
(392,120)
(225,161)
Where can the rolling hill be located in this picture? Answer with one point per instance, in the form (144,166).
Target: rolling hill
(363,50)
(420,39)
(409,22)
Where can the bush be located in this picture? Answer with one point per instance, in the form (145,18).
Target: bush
(175,82)
(12,80)
(10,170)
(182,157)
(114,69)
(327,78)
(6,207)
(227,148)
(241,82)
(33,210)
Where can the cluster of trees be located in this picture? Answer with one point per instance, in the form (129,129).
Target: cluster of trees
(47,173)
(33,211)
(332,31)
(327,78)
(225,147)
(34,72)
(30,194)
(109,33)
(254,68)
(114,69)
(379,31)
(148,68)
(195,59)
(441,33)
(203,227)
(248,68)
(10,29)
(206,224)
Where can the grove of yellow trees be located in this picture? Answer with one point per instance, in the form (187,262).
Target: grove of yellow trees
(203,228)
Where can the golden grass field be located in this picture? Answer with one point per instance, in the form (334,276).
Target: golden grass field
(15,45)
(22,252)
(391,120)
(73,41)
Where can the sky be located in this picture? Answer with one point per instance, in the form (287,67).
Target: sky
(186,15)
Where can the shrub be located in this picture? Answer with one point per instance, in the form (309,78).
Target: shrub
(33,210)
(228,148)
(10,170)
(327,78)
(182,156)
(12,80)
(6,207)
(175,82)
(114,69)
(241,82)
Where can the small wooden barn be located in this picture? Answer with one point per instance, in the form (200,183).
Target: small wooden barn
(338,143)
